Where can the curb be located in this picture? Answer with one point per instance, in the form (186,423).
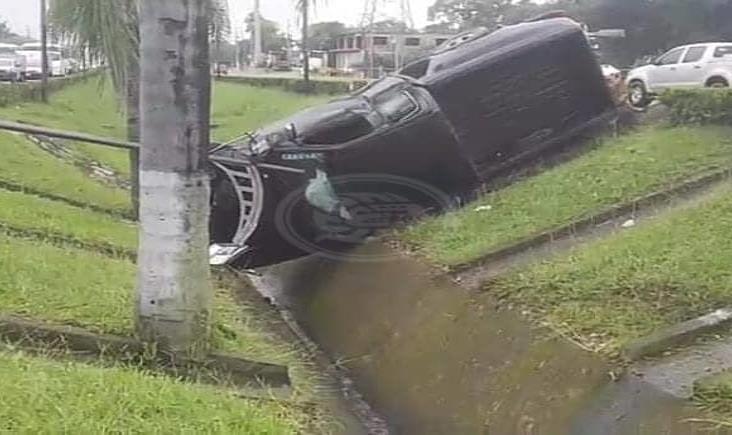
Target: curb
(609,213)
(677,335)
(241,372)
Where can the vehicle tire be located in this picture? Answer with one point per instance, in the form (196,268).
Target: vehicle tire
(717,82)
(638,96)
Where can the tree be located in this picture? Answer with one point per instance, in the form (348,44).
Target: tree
(304,6)
(174,288)
(390,26)
(219,28)
(5,32)
(323,35)
(470,13)
(651,25)
(109,29)
(272,39)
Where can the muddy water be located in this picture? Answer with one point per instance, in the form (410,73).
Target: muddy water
(434,359)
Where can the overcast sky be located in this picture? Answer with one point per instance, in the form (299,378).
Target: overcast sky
(22,15)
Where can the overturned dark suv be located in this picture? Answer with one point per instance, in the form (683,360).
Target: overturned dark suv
(406,145)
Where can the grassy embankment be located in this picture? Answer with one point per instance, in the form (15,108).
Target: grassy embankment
(616,171)
(71,286)
(93,107)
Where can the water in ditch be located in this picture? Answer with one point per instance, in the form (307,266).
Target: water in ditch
(432,358)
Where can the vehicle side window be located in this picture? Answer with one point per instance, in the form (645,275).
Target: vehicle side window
(395,105)
(694,54)
(672,57)
(725,50)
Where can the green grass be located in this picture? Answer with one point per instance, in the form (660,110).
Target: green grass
(80,288)
(606,293)
(89,107)
(29,212)
(238,109)
(25,164)
(69,286)
(617,171)
(715,397)
(50,397)
(93,107)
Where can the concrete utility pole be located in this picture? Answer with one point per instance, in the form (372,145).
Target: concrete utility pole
(44,52)
(257,34)
(174,285)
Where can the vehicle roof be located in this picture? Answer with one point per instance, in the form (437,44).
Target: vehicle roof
(702,43)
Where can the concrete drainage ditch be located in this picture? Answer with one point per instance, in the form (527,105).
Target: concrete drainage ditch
(433,358)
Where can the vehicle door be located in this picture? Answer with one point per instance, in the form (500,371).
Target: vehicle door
(721,58)
(665,73)
(693,68)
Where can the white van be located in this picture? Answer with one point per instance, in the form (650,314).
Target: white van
(58,65)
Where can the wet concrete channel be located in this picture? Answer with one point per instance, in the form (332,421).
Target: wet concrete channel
(434,358)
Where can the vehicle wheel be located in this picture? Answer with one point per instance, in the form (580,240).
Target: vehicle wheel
(717,83)
(638,95)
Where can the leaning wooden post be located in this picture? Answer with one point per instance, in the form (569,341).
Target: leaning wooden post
(174,286)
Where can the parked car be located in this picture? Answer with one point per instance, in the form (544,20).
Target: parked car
(422,140)
(690,66)
(11,69)
(279,61)
(221,68)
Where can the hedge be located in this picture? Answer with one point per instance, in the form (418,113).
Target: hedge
(699,106)
(329,87)
(11,93)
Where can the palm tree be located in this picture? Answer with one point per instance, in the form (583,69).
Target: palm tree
(220,26)
(304,7)
(174,286)
(109,29)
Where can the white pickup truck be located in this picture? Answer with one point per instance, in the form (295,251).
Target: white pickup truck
(690,66)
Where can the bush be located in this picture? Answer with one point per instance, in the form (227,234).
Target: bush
(31,91)
(699,106)
(327,87)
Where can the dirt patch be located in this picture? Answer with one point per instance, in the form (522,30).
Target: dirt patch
(95,170)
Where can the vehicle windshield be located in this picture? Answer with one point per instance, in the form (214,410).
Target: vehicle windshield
(54,57)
